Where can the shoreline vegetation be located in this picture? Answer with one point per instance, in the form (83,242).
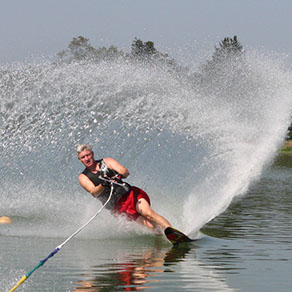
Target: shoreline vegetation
(287,147)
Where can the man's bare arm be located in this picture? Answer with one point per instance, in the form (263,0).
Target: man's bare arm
(114,165)
(88,185)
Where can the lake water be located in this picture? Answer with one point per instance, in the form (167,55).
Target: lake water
(247,248)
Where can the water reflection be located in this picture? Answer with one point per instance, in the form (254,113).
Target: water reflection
(131,275)
(155,267)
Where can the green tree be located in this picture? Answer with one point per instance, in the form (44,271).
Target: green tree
(289,136)
(142,50)
(228,47)
(80,49)
(229,50)
(146,51)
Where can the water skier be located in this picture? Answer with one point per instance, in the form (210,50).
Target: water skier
(128,200)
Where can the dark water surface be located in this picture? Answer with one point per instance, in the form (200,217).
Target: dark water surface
(247,248)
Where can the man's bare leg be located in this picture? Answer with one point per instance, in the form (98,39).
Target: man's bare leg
(149,217)
(143,221)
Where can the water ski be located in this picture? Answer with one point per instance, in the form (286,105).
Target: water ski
(175,236)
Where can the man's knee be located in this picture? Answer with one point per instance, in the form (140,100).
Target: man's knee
(149,214)
(144,221)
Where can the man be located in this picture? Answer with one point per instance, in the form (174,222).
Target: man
(128,200)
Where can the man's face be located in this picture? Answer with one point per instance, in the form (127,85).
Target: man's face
(86,157)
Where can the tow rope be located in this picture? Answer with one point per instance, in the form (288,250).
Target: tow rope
(71,236)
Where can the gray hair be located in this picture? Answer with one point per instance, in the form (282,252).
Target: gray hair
(82,147)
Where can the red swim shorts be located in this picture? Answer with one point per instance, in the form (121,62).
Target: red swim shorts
(127,204)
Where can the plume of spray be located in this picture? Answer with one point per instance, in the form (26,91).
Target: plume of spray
(250,115)
(192,141)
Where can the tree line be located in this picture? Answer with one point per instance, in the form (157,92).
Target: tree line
(80,49)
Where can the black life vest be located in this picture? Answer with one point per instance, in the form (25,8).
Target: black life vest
(118,191)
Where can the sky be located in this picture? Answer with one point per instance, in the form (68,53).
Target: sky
(35,28)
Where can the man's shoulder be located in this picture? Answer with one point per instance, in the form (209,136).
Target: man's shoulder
(81,176)
(108,160)
(84,173)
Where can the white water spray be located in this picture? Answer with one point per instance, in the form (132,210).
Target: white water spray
(193,146)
